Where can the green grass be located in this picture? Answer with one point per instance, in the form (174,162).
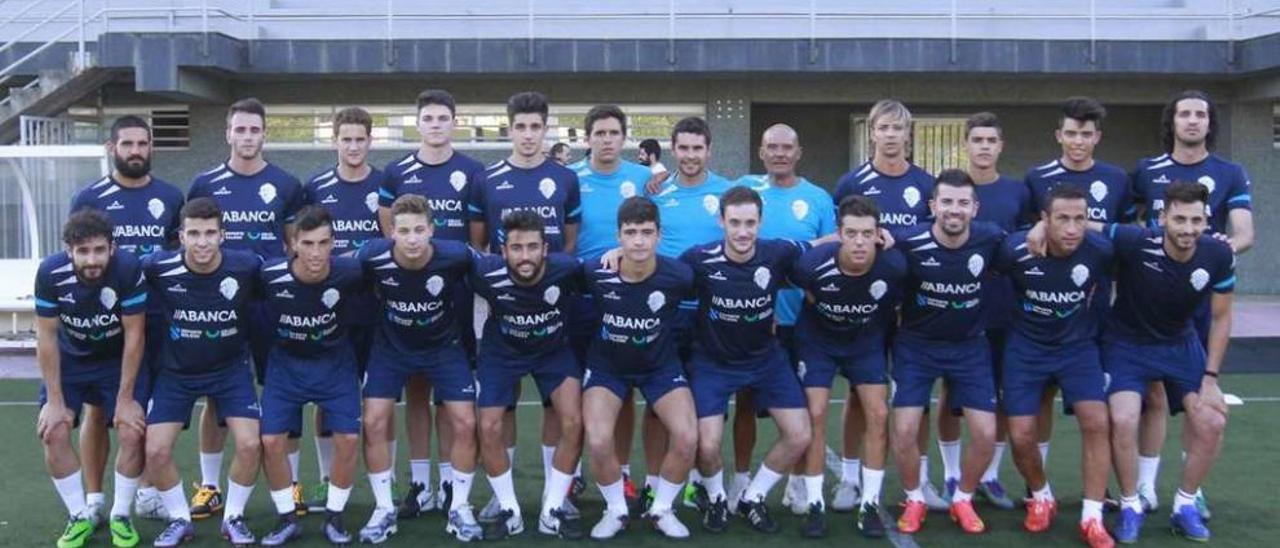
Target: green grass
(1240,490)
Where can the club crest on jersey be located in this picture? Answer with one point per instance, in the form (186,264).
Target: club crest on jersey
(551,295)
(155,207)
(878,289)
(800,209)
(434,285)
(1199,278)
(711,203)
(1208,182)
(457,180)
(371,201)
(1098,190)
(330,297)
(627,189)
(976,264)
(547,187)
(229,287)
(762,277)
(1080,275)
(656,301)
(911,195)
(801,369)
(267,192)
(108,298)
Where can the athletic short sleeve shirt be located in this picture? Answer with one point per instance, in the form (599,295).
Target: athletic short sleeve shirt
(255,208)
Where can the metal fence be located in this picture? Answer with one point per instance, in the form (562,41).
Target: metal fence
(36,187)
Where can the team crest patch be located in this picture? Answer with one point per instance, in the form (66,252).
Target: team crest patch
(547,187)
(627,189)
(156,208)
(800,209)
(330,297)
(1199,278)
(911,195)
(1208,182)
(371,201)
(878,289)
(762,277)
(434,285)
(108,298)
(267,192)
(229,287)
(1079,275)
(457,180)
(1098,190)
(801,369)
(656,301)
(976,264)
(711,203)
(551,295)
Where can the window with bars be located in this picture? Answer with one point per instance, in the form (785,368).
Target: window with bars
(937,142)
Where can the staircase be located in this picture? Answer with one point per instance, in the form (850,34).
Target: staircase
(51,93)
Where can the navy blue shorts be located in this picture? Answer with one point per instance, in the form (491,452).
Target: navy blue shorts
(817,368)
(1030,368)
(1179,364)
(653,385)
(96,384)
(498,378)
(330,382)
(772,382)
(445,368)
(230,389)
(965,366)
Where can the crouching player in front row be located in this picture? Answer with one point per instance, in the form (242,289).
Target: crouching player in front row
(89,328)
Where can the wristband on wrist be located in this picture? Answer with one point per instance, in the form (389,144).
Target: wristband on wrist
(1213,374)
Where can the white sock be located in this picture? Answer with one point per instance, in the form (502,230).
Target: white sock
(715,486)
(664,496)
(993,468)
(210,469)
(125,489)
(614,498)
(324,455)
(1090,509)
(741,479)
(1183,499)
(651,481)
(71,490)
(850,471)
(511,457)
(924,470)
(380,482)
(1043,494)
(294,459)
(446,473)
(950,451)
(1044,453)
(813,488)
(763,481)
(548,454)
(557,486)
(283,499)
(961,496)
(175,503)
(915,495)
(1133,503)
(577,470)
(695,477)
(420,472)
(626,469)
(462,482)
(95,499)
(337,501)
(504,488)
(391,451)
(872,481)
(1148,469)
(238,498)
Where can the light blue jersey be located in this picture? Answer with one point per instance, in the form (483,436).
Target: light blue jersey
(602,194)
(801,212)
(690,214)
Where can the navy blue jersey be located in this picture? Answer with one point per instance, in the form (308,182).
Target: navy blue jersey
(255,208)
(637,318)
(903,200)
(550,190)
(447,188)
(1055,293)
(943,296)
(418,308)
(309,319)
(1006,203)
(90,327)
(525,321)
(1106,186)
(1156,296)
(736,300)
(208,314)
(1227,182)
(352,204)
(145,218)
(845,314)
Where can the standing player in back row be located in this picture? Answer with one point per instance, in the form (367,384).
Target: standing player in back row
(257,201)
(901,190)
